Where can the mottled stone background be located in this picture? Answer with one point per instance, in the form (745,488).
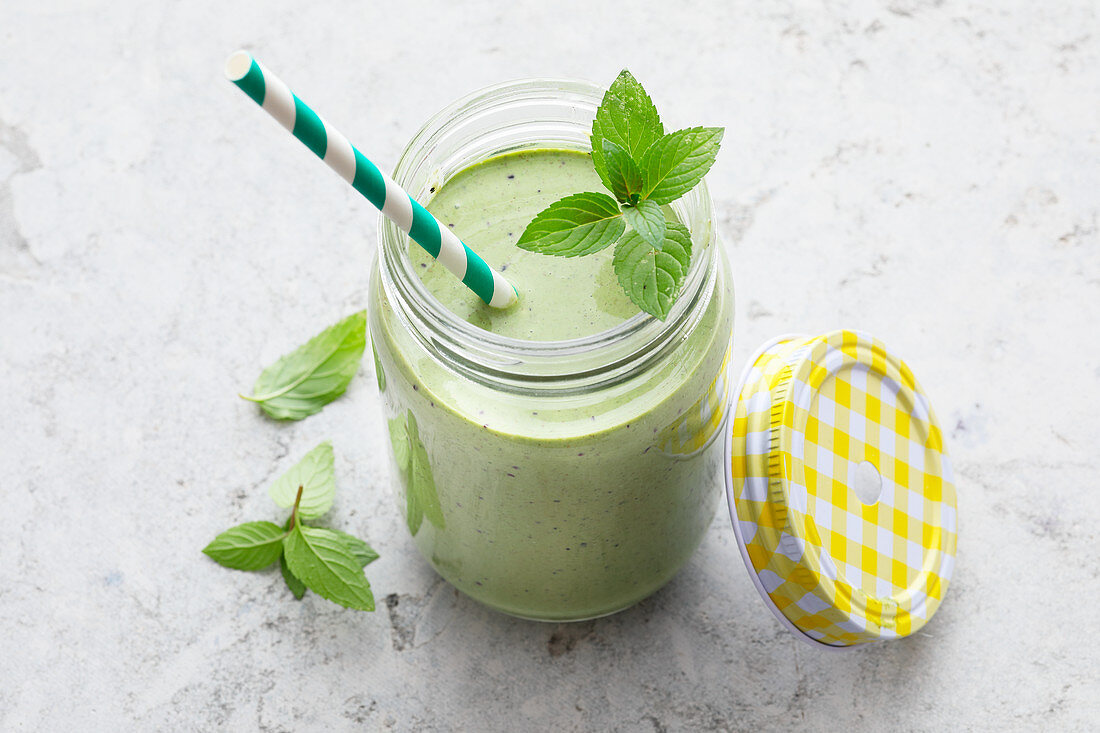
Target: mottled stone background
(927,171)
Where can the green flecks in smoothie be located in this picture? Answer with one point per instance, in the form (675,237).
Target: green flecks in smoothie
(421,499)
(488,205)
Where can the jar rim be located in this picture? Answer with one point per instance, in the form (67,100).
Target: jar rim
(503,358)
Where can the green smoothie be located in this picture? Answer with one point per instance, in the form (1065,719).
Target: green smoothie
(489,205)
(551,505)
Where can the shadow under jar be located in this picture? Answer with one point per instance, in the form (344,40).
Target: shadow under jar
(551,480)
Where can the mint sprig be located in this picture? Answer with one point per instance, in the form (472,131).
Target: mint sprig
(645,169)
(326,561)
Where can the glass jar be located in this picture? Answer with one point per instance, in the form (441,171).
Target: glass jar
(553,480)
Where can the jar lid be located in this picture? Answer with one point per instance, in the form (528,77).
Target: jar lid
(840,489)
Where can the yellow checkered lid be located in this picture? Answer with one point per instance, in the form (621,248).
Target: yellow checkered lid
(840,489)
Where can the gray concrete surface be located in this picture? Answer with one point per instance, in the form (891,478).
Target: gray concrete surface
(927,171)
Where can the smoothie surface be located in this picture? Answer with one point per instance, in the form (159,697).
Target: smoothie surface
(488,205)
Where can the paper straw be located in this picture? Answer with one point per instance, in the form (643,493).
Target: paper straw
(268,91)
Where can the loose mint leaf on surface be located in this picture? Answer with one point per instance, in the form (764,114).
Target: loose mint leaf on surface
(626,117)
(316,474)
(576,225)
(322,561)
(248,546)
(623,173)
(360,549)
(421,499)
(674,164)
(302,382)
(647,219)
(297,587)
(652,278)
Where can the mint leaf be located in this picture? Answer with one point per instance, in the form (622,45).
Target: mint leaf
(647,219)
(320,559)
(302,382)
(248,546)
(626,117)
(399,439)
(596,140)
(297,587)
(424,494)
(652,278)
(421,499)
(362,552)
(574,226)
(622,172)
(674,164)
(378,373)
(316,474)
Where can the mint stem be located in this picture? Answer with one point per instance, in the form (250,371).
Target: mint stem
(294,511)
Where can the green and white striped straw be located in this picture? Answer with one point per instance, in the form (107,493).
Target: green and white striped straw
(268,91)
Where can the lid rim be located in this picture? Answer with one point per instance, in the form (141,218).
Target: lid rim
(732,504)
